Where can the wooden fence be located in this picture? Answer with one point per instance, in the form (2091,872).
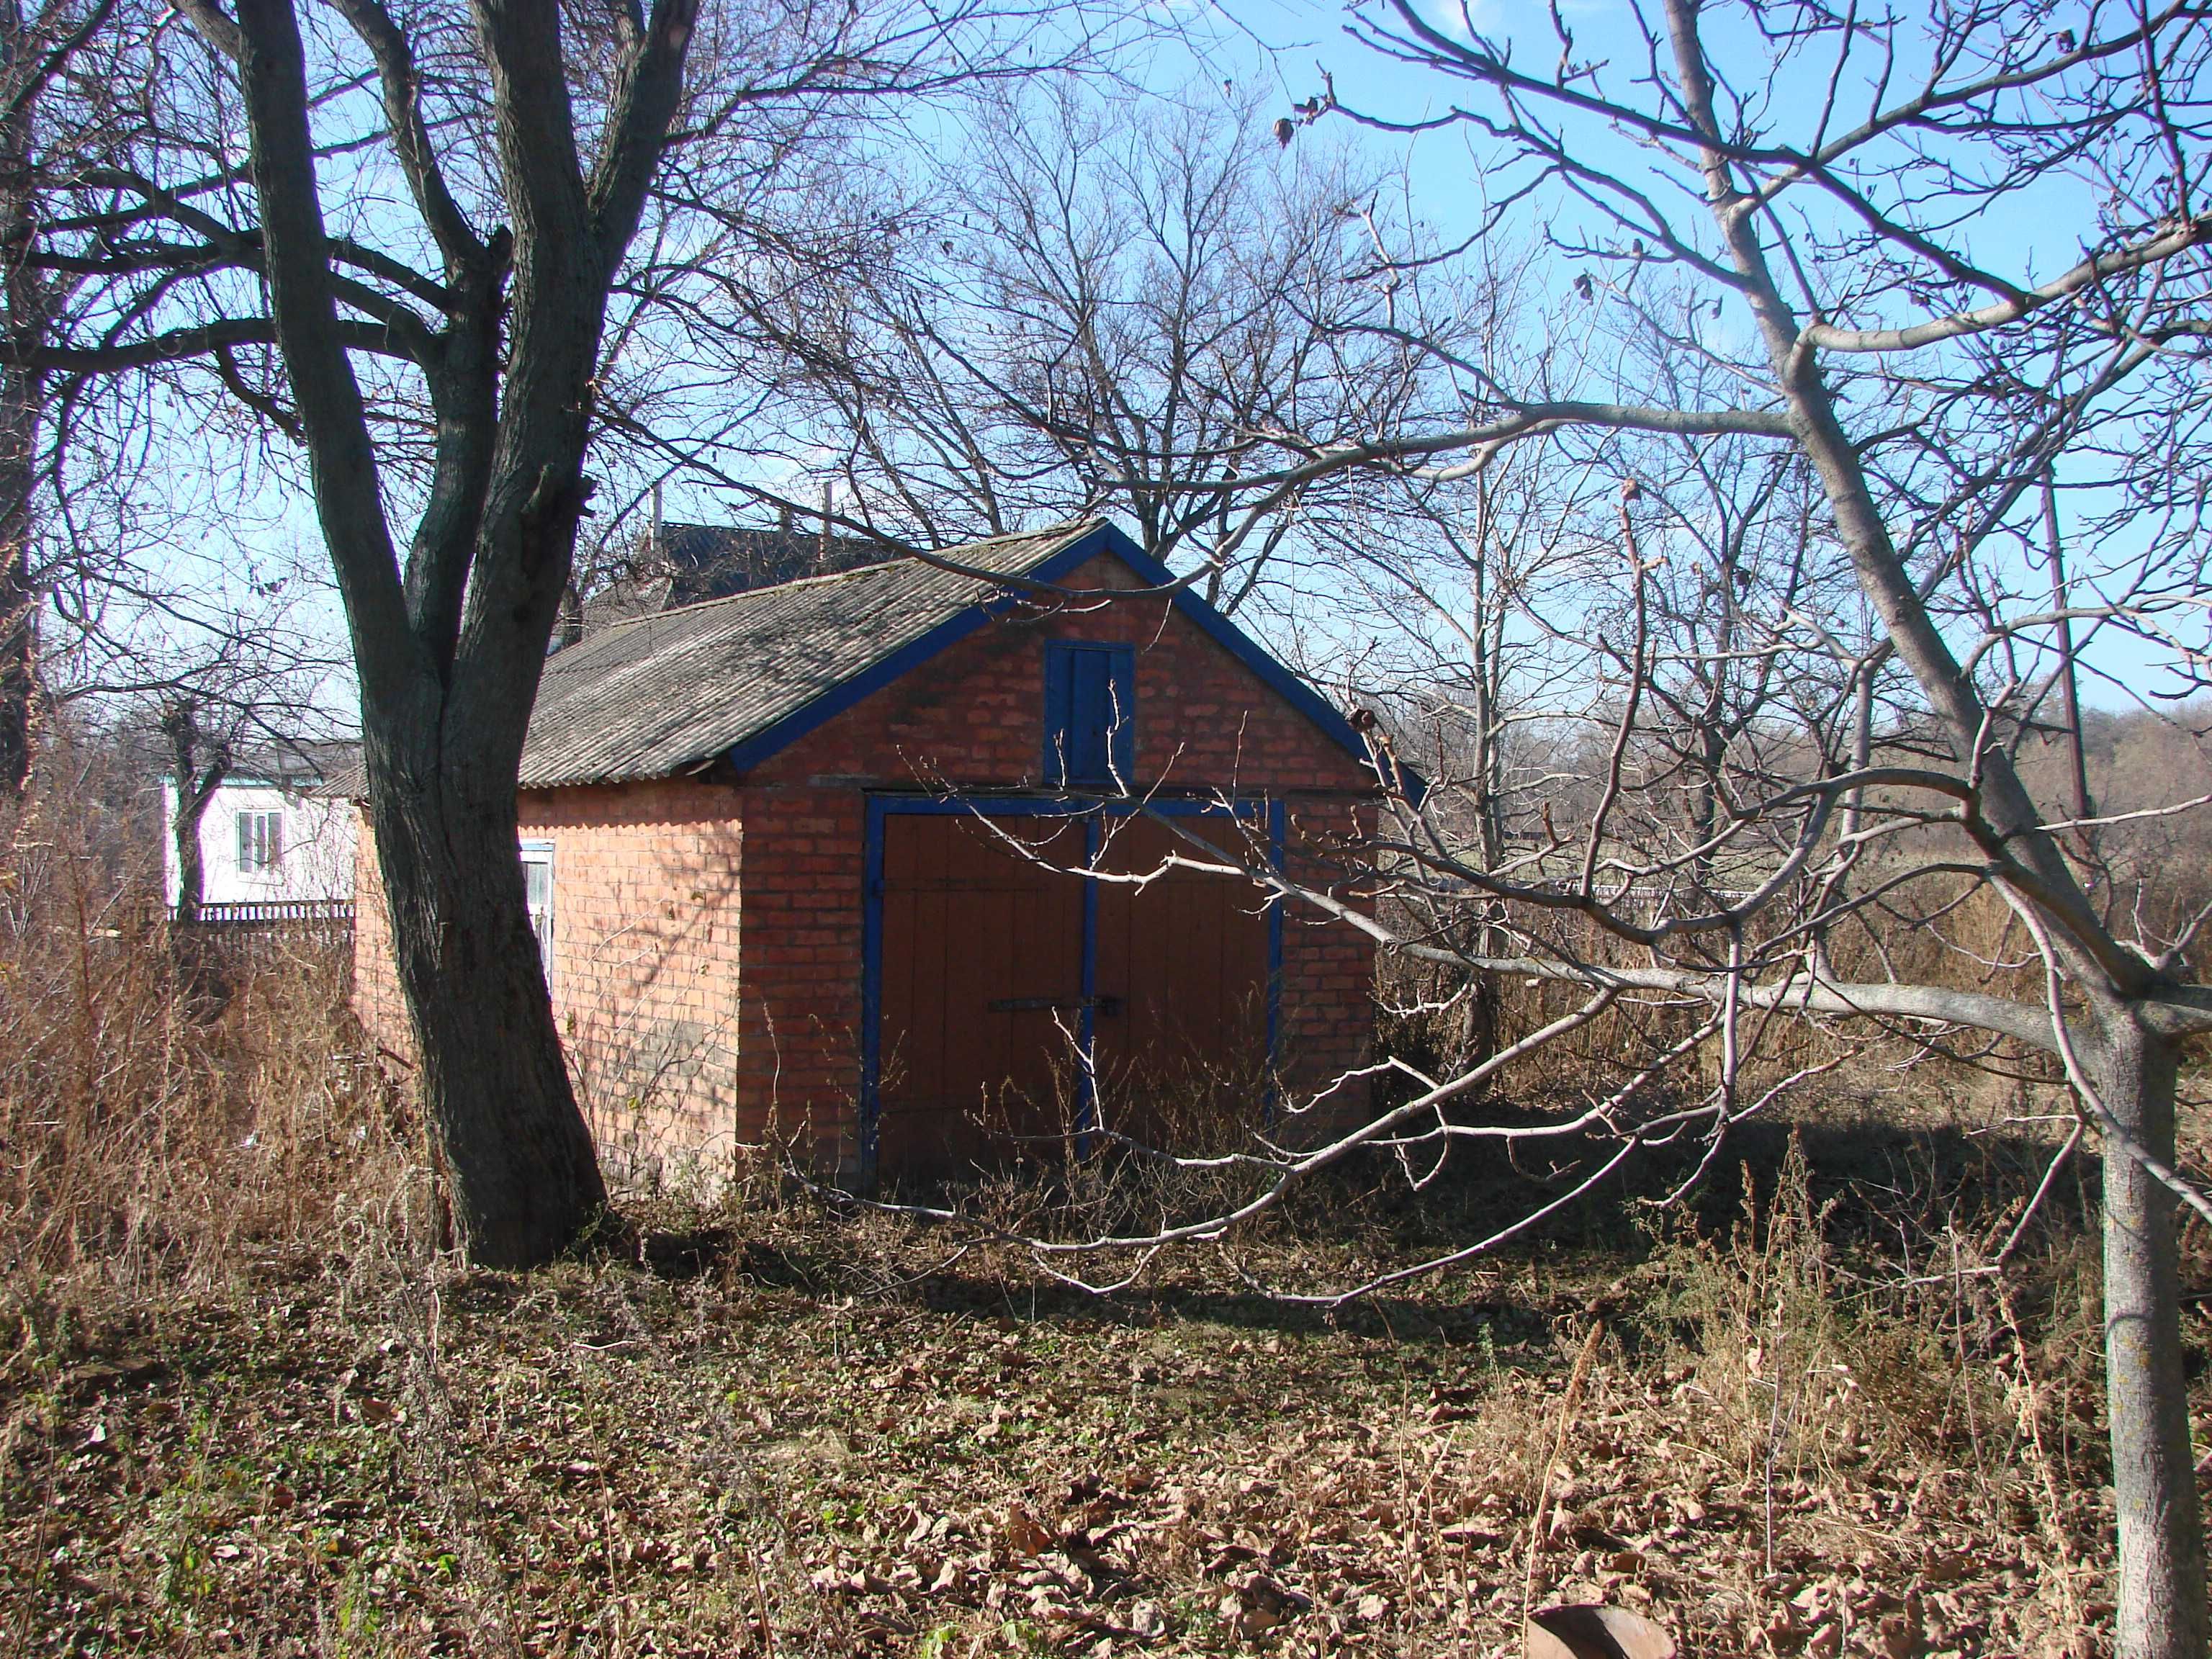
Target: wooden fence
(309,914)
(277,925)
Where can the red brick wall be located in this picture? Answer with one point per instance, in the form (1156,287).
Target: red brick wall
(645,975)
(692,1025)
(974,715)
(974,718)
(375,980)
(799,1065)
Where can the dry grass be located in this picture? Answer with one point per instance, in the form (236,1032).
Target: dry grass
(830,1441)
(246,1407)
(169,1103)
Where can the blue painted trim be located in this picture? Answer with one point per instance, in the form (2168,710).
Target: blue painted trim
(883,806)
(1106,539)
(1059,701)
(1278,831)
(1122,719)
(1059,802)
(1243,647)
(872,986)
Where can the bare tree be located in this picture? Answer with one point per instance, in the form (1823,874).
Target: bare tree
(407,278)
(1929,394)
(1091,305)
(54,120)
(1826,642)
(200,756)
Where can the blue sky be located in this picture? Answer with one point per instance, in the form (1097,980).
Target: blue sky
(2035,235)
(1282,48)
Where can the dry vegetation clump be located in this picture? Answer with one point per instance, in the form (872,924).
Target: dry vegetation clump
(169,1099)
(775,1431)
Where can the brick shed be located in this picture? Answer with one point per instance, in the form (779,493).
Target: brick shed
(847,862)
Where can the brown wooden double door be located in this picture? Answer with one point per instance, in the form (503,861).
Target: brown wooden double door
(1023,1004)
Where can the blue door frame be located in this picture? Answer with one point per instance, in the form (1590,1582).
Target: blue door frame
(883,807)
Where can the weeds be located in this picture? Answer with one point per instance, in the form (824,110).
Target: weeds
(154,1135)
(247,1405)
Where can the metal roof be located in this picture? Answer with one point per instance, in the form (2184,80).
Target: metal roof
(303,765)
(665,693)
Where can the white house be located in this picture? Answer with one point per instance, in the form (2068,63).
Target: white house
(266,837)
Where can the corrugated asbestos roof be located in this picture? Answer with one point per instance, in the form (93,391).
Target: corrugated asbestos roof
(665,693)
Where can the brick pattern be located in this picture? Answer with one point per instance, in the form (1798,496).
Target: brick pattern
(696,1025)
(376,999)
(1328,967)
(973,717)
(645,975)
(798,1066)
(647,961)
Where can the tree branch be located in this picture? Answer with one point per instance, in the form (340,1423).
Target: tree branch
(324,391)
(649,89)
(2178,239)
(210,23)
(411,135)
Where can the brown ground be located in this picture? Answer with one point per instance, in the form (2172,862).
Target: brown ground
(813,1437)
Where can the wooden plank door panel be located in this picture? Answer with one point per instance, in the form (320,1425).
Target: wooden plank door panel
(979,935)
(981,983)
(1185,955)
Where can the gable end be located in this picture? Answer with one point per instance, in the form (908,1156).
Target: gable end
(1105,539)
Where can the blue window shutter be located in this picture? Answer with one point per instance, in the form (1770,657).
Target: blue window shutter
(1086,754)
(1090,700)
(1057,711)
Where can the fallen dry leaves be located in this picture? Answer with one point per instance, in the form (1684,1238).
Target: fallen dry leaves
(598,1461)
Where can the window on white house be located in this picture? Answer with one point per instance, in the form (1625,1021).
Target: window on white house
(261,841)
(537,894)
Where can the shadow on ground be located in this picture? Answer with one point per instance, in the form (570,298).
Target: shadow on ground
(1887,1197)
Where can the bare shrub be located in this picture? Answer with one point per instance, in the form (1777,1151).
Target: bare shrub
(157,1134)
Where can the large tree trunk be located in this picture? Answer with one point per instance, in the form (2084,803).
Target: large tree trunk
(522,1177)
(2162,1606)
(2161,1590)
(521,1174)
(18,609)
(22,410)
(449,643)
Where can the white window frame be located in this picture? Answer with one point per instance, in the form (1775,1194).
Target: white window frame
(260,849)
(540,854)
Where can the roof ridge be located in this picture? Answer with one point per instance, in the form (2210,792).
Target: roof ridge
(826,576)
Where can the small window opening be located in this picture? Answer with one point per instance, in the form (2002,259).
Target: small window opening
(1091,715)
(537,894)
